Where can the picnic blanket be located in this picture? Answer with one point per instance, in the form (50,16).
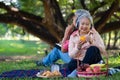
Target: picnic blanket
(20,73)
(32,73)
(27,73)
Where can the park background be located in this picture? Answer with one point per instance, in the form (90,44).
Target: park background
(21,45)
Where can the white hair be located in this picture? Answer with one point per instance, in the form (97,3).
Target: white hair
(83,13)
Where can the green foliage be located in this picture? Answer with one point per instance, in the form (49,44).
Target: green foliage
(16,29)
(13,28)
(2,11)
(114,61)
(3,29)
(34,7)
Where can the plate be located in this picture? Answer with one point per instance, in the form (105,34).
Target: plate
(39,74)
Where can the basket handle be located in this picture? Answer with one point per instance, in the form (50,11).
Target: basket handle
(78,61)
(107,66)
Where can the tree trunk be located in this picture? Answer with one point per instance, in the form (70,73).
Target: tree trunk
(115,39)
(109,39)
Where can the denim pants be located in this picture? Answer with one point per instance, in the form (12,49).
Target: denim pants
(54,55)
(92,56)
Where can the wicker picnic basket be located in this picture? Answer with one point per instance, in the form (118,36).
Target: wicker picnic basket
(92,74)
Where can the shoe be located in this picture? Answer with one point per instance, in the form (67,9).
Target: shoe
(73,74)
(39,63)
(112,71)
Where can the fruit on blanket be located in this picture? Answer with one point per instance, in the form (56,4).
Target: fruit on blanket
(83,67)
(100,65)
(83,38)
(96,69)
(89,69)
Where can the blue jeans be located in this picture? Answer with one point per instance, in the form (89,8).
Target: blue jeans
(54,55)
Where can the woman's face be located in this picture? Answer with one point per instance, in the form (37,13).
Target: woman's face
(84,25)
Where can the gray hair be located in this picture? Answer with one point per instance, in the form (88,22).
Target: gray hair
(79,12)
(83,13)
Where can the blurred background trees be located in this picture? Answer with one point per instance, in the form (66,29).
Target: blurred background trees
(46,19)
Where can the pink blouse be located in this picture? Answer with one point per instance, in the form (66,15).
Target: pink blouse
(75,53)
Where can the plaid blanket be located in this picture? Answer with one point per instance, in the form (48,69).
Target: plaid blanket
(19,73)
(27,73)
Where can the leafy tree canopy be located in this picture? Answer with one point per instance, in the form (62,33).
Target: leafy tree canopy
(46,18)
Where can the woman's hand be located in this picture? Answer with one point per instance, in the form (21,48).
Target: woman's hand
(89,39)
(79,44)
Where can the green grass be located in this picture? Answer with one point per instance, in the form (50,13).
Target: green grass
(20,47)
(29,64)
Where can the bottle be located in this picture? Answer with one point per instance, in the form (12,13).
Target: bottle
(101,62)
(55,67)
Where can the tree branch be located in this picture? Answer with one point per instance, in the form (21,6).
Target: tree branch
(83,4)
(52,29)
(100,24)
(111,26)
(16,12)
(101,4)
(30,27)
(53,18)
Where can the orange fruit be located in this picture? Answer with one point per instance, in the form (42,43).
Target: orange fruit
(83,38)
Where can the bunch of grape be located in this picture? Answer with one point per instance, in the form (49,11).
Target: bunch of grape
(82,67)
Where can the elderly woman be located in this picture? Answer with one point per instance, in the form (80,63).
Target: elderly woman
(85,44)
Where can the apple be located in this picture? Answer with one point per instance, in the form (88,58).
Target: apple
(96,69)
(89,69)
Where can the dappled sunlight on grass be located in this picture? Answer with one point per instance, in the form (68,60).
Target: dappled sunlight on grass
(38,42)
(17,45)
(114,61)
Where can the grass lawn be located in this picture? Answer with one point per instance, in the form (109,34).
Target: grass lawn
(13,48)
(29,64)
(21,47)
